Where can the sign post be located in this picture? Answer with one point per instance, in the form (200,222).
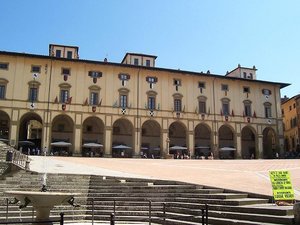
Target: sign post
(283,191)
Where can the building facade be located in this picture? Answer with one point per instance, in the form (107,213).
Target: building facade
(291,112)
(132,108)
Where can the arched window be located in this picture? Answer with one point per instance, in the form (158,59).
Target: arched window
(33,91)
(123,97)
(64,96)
(177,102)
(202,104)
(3,84)
(151,100)
(247,108)
(225,106)
(268,111)
(94,95)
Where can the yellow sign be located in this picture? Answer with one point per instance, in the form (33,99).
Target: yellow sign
(282,186)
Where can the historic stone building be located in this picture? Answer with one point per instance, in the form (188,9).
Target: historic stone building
(291,112)
(132,108)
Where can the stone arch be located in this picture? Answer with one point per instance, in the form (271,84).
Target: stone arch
(92,132)
(249,140)
(62,131)
(203,140)
(122,135)
(30,131)
(269,143)
(177,137)
(227,148)
(4,127)
(150,139)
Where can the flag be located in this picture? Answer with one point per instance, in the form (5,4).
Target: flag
(85,102)
(254,114)
(69,100)
(100,103)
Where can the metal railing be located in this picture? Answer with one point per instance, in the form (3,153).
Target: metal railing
(16,157)
(202,218)
(60,221)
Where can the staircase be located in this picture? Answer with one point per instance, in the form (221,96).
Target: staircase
(131,199)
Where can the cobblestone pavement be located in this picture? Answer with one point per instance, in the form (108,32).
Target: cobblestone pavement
(242,175)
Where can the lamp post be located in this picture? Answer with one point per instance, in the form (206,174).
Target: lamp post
(168,145)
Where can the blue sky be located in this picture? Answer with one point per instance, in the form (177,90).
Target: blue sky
(196,35)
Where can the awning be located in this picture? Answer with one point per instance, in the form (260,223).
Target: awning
(121,147)
(176,147)
(202,147)
(26,143)
(92,145)
(227,149)
(61,144)
(4,140)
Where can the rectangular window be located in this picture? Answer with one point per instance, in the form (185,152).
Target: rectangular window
(201,85)
(33,94)
(202,107)
(64,96)
(123,101)
(58,53)
(94,98)
(151,102)
(246,89)
(224,87)
(225,108)
(124,76)
(148,62)
(2,91)
(177,105)
(65,71)
(3,66)
(247,110)
(69,54)
(136,61)
(36,69)
(177,82)
(95,74)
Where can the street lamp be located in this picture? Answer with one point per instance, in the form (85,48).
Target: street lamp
(168,144)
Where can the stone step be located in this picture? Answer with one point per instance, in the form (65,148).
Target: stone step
(183,200)
(167,194)
(233,202)
(225,221)
(236,215)
(259,218)
(269,209)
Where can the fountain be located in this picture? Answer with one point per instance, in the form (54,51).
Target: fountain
(42,201)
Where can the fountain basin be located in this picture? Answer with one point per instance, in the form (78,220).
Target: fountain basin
(42,202)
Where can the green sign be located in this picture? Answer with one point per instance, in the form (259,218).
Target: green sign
(281,185)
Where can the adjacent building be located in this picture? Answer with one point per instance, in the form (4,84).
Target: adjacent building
(291,112)
(73,106)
